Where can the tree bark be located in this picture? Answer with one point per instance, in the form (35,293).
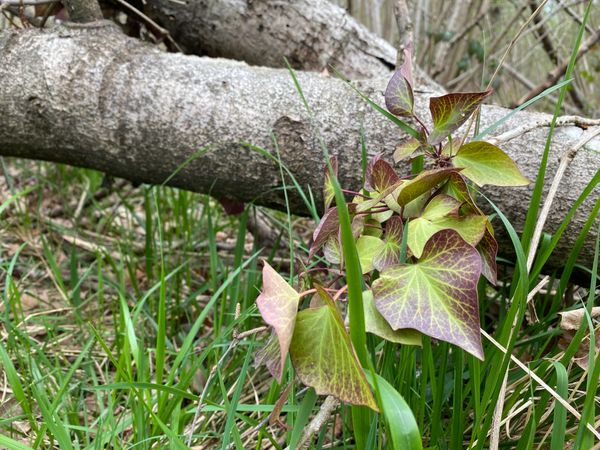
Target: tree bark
(313,35)
(89,96)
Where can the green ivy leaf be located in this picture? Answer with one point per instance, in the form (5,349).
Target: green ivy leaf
(442,213)
(389,255)
(328,190)
(323,356)
(406,149)
(484,163)
(438,295)
(278,306)
(441,206)
(368,247)
(332,250)
(450,111)
(422,183)
(399,97)
(376,324)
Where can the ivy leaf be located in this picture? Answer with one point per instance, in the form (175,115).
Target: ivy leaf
(484,163)
(422,183)
(367,248)
(450,111)
(406,149)
(323,356)
(332,250)
(328,226)
(328,190)
(471,229)
(399,97)
(389,255)
(270,356)
(376,324)
(441,206)
(278,306)
(438,295)
(380,175)
(488,249)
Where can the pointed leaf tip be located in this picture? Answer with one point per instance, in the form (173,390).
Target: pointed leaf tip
(450,111)
(438,295)
(323,356)
(278,306)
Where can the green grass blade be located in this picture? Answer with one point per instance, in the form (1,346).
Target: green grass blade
(402,428)
(559,424)
(304,412)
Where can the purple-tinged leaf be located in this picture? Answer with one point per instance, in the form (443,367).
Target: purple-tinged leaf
(270,356)
(390,253)
(376,324)
(438,295)
(484,163)
(450,111)
(328,226)
(383,176)
(328,190)
(488,249)
(422,183)
(278,306)
(399,97)
(323,356)
(369,171)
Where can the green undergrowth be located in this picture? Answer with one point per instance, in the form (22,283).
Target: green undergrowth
(128,320)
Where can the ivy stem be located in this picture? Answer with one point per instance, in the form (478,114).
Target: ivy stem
(339,293)
(422,124)
(314,291)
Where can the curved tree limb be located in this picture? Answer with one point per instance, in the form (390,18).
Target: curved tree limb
(89,96)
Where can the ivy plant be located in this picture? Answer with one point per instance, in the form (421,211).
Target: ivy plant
(422,242)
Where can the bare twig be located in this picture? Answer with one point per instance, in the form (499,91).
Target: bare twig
(562,121)
(317,422)
(405,30)
(541,382)
(562,167)
(560,70)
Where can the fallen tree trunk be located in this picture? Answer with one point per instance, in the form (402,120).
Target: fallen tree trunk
(88,96)
(312,34)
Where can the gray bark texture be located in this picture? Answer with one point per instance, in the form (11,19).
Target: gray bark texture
(314,35)
(91,97)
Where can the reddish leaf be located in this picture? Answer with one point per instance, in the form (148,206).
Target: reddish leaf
(450,111)
(438,295)
(328,227)
(488,249)
(383,176)
(422,183)
(390,254)
(278,306)
(399,97)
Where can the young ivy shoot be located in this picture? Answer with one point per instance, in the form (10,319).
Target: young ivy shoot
(422,242)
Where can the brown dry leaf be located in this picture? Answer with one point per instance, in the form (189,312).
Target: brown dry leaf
(570,322)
